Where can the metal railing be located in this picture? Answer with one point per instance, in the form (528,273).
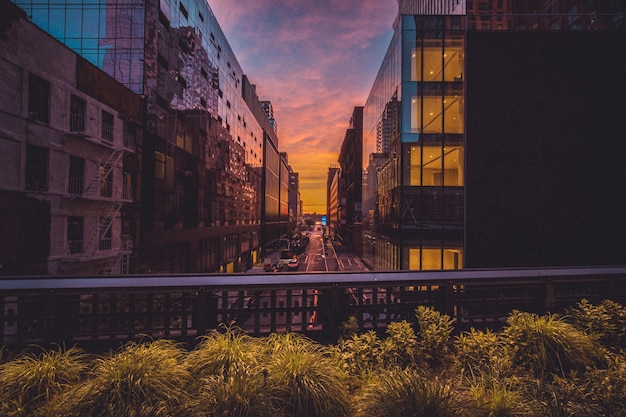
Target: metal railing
(100,312)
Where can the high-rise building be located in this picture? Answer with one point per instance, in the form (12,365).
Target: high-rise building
(206,137)
(493,136)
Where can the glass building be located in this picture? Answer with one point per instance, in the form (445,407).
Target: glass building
(206,186)
(428,197)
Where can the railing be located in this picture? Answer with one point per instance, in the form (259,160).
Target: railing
(101,312)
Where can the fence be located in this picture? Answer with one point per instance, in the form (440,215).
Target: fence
(100,313)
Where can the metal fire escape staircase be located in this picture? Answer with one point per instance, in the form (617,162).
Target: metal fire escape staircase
(108,214)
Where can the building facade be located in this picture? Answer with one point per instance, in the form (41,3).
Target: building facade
(206,136)
(470,95)
(71,158)
(351,184)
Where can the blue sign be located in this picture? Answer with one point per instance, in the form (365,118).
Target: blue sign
(323,220)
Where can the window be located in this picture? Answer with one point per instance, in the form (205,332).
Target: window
(77,173)
(107,126)
(75,234)
(36,168)
(128,193)
(434,166)
(427,112)
(38,99)
(106,181)
(159,165)
(130,135)
(106,232)
(77,114)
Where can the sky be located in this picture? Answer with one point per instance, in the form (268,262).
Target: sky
(315,60)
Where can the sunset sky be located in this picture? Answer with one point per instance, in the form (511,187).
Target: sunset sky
(315,61)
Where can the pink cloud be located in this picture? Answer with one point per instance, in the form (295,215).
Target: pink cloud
(315,61)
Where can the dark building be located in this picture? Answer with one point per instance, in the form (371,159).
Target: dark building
(351,183)
(492,136)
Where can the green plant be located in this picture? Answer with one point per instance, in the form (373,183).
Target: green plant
(546,345)
(606,321)
(360,353)
(305,378)
(222,352)
(480,355)
(400,346)
(607,387)
(145,379)
(498,398)
(401,392)
(434,330)
(30,380)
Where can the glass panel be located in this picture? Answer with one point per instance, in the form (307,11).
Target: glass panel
(431,259)
(453,258)
(453,166)
(453,60)
(453,117)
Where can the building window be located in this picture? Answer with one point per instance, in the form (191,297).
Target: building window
(434,114)
(128,193)
(36,174)
(159,165)
(107,126)
(436,166)
(130,135)
(106,181)
(75,234)
(105,240)
(38,99)
(77,114)
(77,174)
(435,258)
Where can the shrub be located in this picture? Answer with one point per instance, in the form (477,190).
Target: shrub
(305,378)
(480,355)
(360,354)
(434,330)
(606,321)
(547,345)
(400,348)
(496,398)
(405,393)
(29,381)
(145,379)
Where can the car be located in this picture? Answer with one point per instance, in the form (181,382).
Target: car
(286,257)
(293,265)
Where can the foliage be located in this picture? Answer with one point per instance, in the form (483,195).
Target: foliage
(606,321)
(360,354)
(145,379)
(306,379)
(434,330)
(31,380)
(221,352)
(535,366)
(547,345)
(481,354)
(401,392)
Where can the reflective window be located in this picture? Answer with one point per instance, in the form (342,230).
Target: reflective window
(435,258)
(436,166)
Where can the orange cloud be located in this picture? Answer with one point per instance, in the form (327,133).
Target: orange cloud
(315,61)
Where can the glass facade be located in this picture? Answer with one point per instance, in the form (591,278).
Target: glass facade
(416,126)
(414,148)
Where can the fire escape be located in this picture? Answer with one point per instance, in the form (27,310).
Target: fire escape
(98,246)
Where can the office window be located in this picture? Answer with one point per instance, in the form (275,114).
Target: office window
(435,166)
(107,126)
(38,99)
(36,174)
(435,258)
(436,114)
